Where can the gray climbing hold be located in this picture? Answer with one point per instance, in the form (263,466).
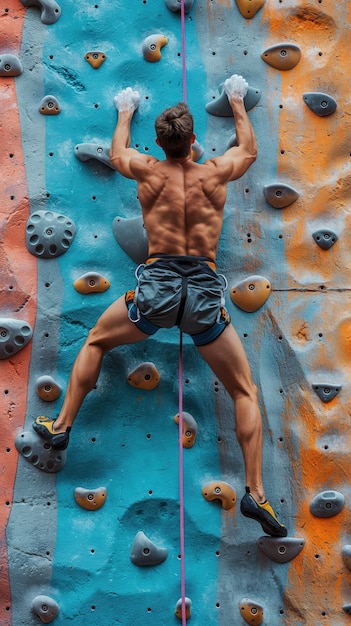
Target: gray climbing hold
(325,238)
(49,234)
(48,389)
(86,151)
(320,103)
(132,237)
(144,552)
(347,608)
(346,556)
(197,151)
(50,10)
(326,392)
(327,504)
(175,5)
(281,550)
(10,65)
(45,608)
(14,335)
(280,195)
(39,453)
(221,107)
(49,106)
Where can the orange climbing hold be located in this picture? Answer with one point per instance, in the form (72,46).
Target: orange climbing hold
(189,430)
(251,612)
(282,56)
(249,8)
(48,389)
(250,294)
(92,282)
(91,499)
(178,610)
(152,47)
(95,59)
(145,376)
(220,490)
(49,106)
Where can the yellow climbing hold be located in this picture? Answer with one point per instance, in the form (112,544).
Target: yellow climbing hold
(145,376)
(178,611)
(95,59)
(220,490)
(189,429)
(251,612)
(250,294)
(249,8)
(47,388)
(152,47)
(91,499)
(92,282)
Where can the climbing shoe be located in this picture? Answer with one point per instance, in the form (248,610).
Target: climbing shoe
(44,427)
(262,513)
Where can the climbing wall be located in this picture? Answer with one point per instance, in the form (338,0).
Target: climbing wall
(91,535)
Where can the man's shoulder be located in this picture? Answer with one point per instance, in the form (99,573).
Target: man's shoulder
(142,164)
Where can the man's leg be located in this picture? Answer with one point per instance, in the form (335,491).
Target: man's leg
(227,359)
(112,329)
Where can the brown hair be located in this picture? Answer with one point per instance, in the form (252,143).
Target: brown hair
(174,129)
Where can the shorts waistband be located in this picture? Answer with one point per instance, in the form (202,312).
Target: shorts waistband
(181,258)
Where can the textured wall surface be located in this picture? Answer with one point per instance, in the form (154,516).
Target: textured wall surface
(63,562)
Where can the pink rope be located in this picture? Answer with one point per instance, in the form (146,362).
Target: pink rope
(180,436)
(181,480)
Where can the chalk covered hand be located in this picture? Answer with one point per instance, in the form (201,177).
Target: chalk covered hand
(236,86)
(127,100)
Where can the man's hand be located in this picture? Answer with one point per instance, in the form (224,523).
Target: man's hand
(127,100)
(236,87)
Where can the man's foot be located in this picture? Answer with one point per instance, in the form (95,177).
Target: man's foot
(44,427)
(262,513)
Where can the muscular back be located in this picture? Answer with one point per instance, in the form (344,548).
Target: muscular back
(182,204)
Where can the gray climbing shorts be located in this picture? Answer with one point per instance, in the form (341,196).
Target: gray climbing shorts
(182,291)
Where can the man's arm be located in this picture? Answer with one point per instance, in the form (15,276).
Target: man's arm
(127,101)
(236,161)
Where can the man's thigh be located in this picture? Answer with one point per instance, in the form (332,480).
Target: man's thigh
(114,327)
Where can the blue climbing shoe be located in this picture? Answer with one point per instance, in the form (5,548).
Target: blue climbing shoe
(262,513)
(44,427)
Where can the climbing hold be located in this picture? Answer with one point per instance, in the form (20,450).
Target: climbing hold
(280,195)
(14,335)
(326,392)
(145,376)
(347,608)
(10,65)
(189,429)
(48,389)
(219,490)
(91,282)
(39,452)
(86,151)
(196,151)
(45,608)
(327,504)
(249,8)
(49,234)
(95,59)
(152,45)
(144,552)
(320,103)
(175,5)
(346,555)
(251,611)
(280,550)
(325,238)
(49,106)
(50,10)
(91,499)
(250,294)
(282,56)
(132,237)
(220,106)
(178,610)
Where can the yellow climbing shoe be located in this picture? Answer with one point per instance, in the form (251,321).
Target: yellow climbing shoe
(44,427)
(262,513)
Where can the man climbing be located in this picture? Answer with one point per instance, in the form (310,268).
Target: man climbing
(182,205)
